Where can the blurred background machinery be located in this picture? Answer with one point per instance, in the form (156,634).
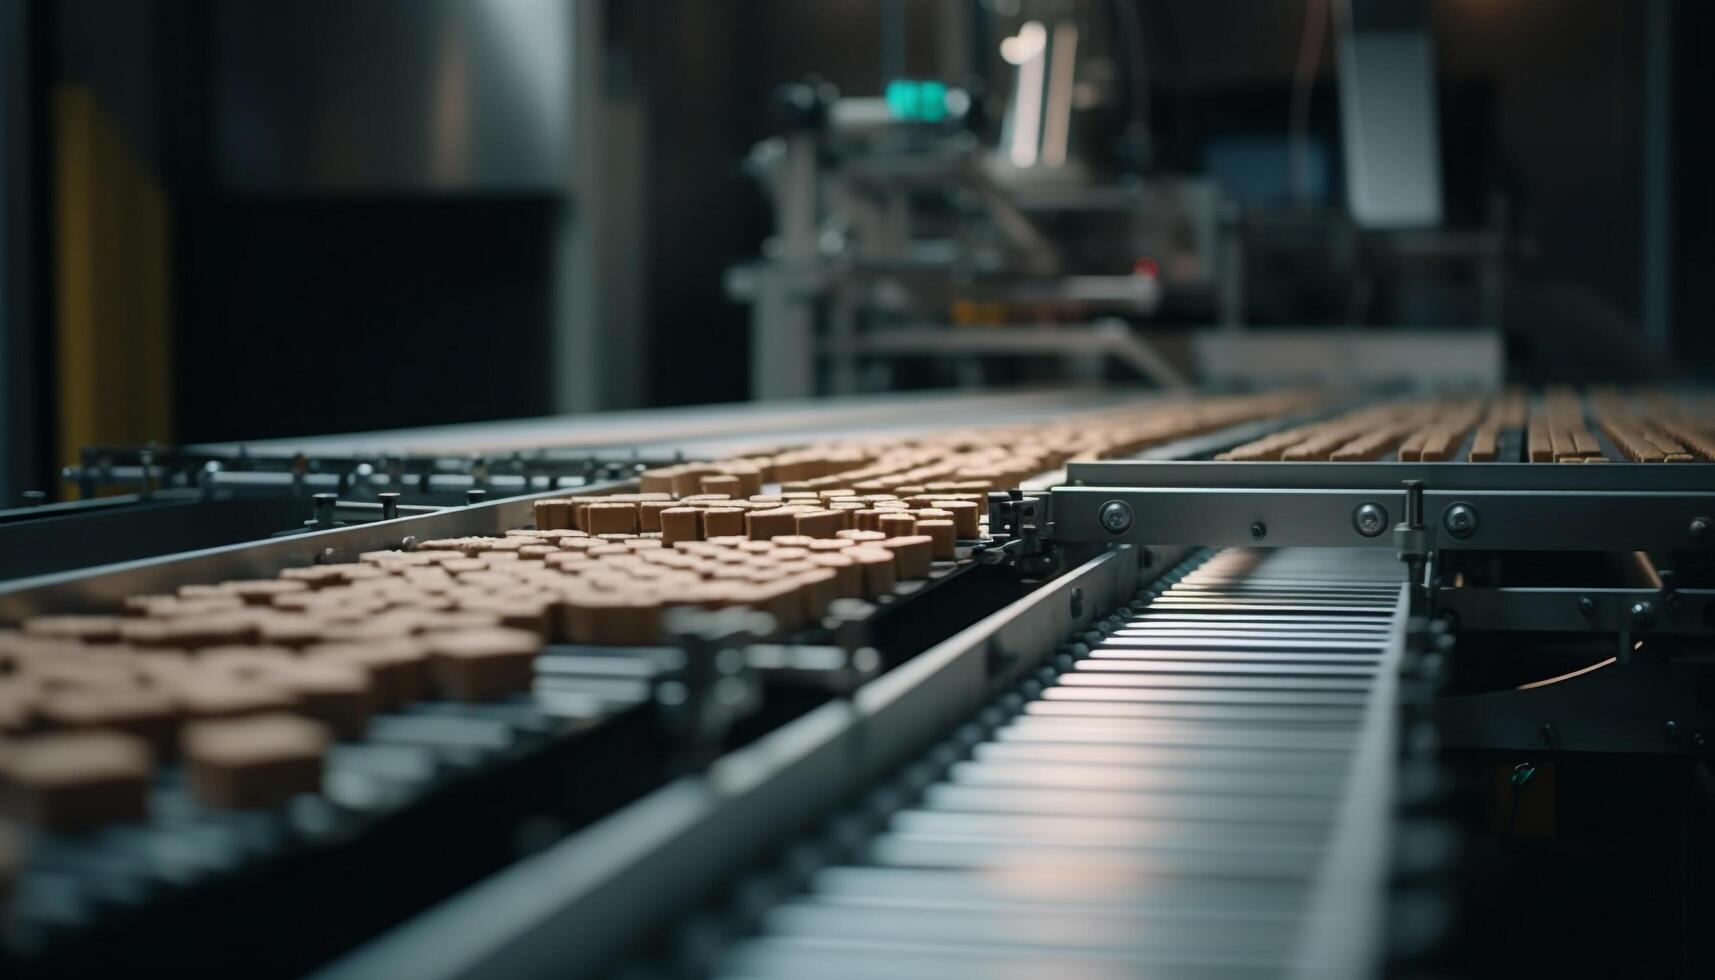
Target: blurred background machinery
(218,206)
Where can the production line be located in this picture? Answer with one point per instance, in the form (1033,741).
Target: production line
(1070,685)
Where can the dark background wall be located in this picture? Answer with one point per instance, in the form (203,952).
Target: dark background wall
(323,310)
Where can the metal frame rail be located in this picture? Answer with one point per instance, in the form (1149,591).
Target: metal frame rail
(1639,700)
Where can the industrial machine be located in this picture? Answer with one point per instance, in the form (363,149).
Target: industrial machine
(1019,223)
(1069,683)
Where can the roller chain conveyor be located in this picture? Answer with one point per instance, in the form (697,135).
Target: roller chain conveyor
(1201,787)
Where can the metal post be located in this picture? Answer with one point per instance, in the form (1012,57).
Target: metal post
(1657,211)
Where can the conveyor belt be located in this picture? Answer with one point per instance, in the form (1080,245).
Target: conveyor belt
(1191,796)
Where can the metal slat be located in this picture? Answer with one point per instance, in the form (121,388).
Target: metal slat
(1170,805)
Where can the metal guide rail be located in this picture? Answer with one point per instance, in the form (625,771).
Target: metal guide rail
(1458,528)
(1203,788)
(1487,507)
(1426,513)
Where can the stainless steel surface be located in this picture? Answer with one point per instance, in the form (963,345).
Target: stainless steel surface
(1620,507)
(103,588)
(392,95)
(1244,839)
(713,430)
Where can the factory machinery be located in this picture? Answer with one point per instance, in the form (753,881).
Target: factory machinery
(1058,684)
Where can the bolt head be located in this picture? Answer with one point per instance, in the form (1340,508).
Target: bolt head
(1460,520)
(1116,517)
(1259,530)
(1586,605)
(1370,519)
(1642,614)
(1701,527)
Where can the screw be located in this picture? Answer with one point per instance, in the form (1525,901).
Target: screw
(408,543)
(1370,519)
(1700,528)
(1643,615)
(1586,605)
(1671,730)
(1116,516)
(1259,530)
(475,495)
(1460,520)
(389,505)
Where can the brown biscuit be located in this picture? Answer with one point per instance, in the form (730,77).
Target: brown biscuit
(900,525)
(940,533)
(76,781)
(723,521)
(84,628)
(649,514)
(256,762)
(146,713)
(482,664)
(877,566)
(765,524)
(553,515)
(340,696)
(912,555)
(398,668)
(848,575)
(732,486)
(966,514)
(820,523)
(681,524)
(611,518)
(861,537)
(203,696)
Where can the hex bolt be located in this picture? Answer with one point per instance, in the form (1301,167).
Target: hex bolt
(1370,519)
(1116,516)
(1259,530)
(1643,615)
(1460,520)
(1701,528)
(324,504)
(389,504)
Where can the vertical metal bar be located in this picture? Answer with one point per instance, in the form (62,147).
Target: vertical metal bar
(1657,217)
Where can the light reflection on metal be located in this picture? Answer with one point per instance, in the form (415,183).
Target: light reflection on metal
(1058,125)
(1028,49)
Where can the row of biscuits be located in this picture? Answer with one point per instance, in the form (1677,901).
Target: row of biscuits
(246,683)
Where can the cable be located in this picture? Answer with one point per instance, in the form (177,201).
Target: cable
(1303,80)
